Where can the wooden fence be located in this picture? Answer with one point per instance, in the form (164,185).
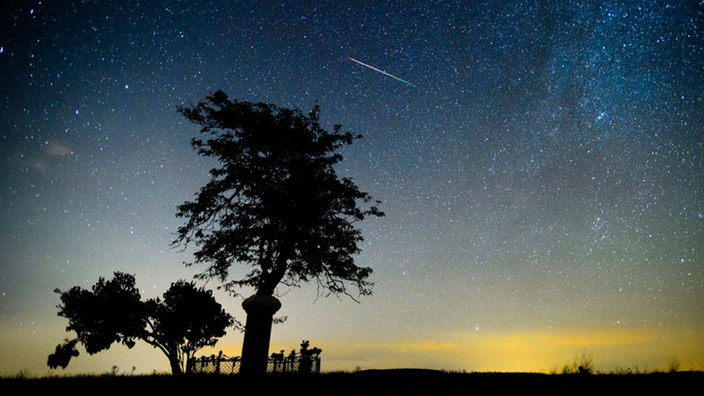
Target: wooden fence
(222,364)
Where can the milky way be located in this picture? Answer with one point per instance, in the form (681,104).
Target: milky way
(542,179)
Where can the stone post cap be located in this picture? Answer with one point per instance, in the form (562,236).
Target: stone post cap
(261,304)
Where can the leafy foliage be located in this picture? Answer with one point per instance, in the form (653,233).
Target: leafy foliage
(185,321)
(63,354)
(275,201)
(111,312)
(309,353)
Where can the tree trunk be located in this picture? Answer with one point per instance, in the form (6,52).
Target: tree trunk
(257,334)
(175,365)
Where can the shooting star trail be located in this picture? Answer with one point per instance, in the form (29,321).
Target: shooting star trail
(380,71)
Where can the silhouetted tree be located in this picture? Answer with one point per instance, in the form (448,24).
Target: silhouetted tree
(274,202)
(186,320)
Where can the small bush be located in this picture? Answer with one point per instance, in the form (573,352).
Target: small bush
(583,364)
(673,364)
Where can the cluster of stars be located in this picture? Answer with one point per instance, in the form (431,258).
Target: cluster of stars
(545,167)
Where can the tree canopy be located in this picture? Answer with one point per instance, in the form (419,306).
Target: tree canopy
(185,321)
(274,202)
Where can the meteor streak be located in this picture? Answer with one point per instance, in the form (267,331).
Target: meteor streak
(380,71)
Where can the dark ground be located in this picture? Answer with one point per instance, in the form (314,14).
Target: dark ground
(370,383)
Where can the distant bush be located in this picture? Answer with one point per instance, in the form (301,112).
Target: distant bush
(673,364)
(583,364)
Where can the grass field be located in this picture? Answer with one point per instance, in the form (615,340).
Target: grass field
(371,382)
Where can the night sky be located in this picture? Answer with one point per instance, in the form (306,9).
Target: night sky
(541,172)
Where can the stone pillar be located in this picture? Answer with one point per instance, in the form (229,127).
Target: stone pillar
(257,334)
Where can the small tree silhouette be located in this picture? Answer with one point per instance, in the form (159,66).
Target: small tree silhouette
(186,320)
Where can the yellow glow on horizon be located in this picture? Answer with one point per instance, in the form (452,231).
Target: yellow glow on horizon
(529,351)
(423,346)
(596,337)
(541,350)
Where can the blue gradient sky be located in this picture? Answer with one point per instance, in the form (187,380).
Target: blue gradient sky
(542,177)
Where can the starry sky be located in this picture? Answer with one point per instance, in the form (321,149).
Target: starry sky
(542,173)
